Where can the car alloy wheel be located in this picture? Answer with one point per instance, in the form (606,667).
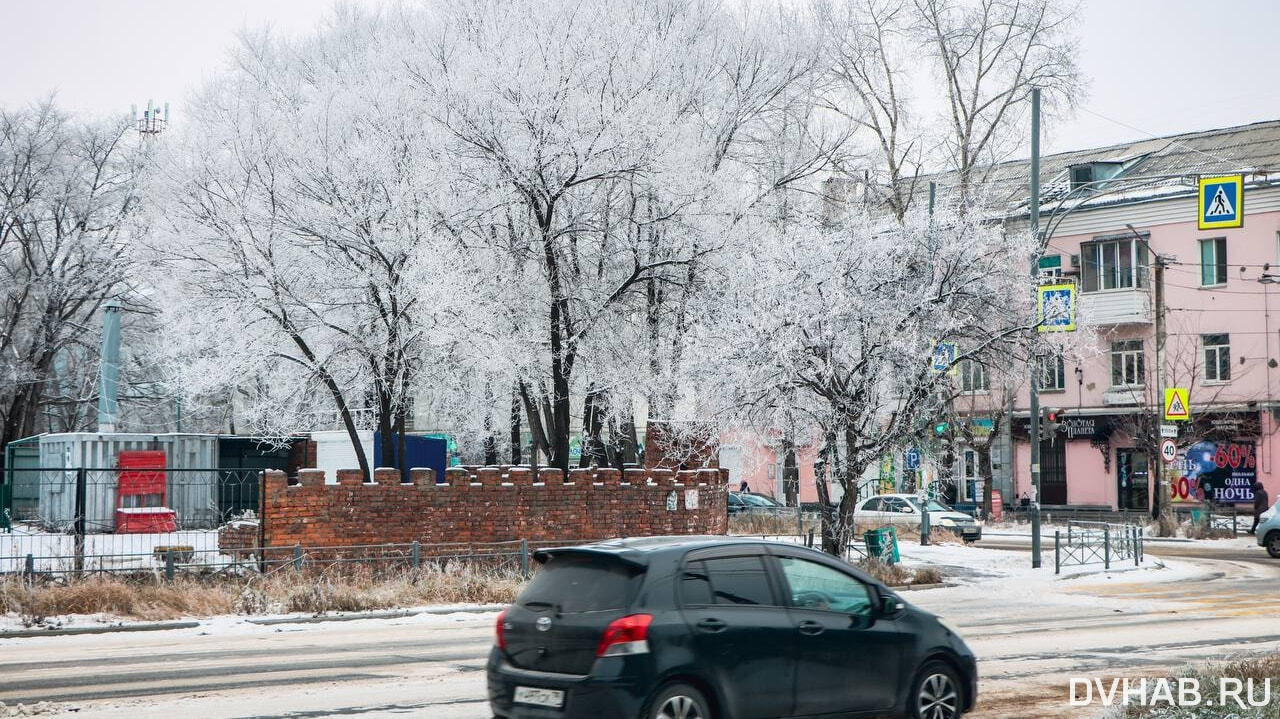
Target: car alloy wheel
(1273,544)
(937,693)
(680,701)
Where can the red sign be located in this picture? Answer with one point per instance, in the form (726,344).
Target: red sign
(997,506)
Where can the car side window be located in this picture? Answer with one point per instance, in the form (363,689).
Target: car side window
(817,586)
(726,580)
(872,505)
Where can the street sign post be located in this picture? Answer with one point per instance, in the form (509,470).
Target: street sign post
(1221,202)
(1177,404)
(1168,451)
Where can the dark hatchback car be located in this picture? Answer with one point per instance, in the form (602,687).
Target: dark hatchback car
(719,628)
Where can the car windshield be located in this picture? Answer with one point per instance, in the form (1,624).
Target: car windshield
(759,501)
(934,505)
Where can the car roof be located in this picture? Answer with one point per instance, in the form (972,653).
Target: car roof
(638,551)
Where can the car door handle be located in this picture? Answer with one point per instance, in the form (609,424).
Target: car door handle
(711,625)
(811,627)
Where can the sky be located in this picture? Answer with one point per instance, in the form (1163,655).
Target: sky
(1155,67)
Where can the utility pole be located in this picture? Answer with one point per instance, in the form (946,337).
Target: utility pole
(1162,476)
(1034,405)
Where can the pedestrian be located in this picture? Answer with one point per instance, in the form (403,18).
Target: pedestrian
(744,487)
(1261,503)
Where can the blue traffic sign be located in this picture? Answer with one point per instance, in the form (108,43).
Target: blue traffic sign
(911,458)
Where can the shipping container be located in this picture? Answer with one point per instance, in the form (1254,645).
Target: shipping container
(191,479)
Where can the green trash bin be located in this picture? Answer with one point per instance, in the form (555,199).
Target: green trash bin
(882,544)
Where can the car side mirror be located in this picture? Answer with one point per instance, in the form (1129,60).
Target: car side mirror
(906,510)
(891,605)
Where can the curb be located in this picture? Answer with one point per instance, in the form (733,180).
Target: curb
(384,614)
(152,627)
(920,587)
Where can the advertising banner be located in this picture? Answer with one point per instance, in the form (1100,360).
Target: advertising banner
(1220,472)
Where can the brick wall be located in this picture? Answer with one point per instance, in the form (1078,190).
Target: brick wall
(489,504)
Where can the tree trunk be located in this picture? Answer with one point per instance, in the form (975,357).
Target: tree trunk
(516,448)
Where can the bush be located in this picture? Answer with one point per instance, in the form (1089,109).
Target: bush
(1260,670)
(896,575)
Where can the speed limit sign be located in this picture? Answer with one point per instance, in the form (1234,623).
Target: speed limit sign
(1168,451)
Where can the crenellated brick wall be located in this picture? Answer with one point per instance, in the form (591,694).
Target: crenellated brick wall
(489,504)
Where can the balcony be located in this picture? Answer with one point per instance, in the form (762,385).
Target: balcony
(1116,307)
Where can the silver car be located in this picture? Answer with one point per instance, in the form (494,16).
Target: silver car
(904,509)
(1268,531)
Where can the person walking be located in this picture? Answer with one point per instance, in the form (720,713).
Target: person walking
(1261,503)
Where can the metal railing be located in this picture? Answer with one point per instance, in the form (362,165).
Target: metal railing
(1096,543)
(173,560)
(57,498)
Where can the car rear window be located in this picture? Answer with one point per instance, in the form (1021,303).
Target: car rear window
(580,584)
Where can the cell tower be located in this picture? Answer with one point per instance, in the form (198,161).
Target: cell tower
(151,123)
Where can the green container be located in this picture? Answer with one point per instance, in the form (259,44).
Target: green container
(882,544)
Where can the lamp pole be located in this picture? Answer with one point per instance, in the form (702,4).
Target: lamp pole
(1034,430)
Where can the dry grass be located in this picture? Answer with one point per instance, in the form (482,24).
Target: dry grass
(316,591)
(762,524)
(896,575)
(1260,671)
(1201,530)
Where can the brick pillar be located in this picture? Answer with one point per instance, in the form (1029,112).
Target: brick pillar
(423,476)
(386,475)
(350,477)
(310,478)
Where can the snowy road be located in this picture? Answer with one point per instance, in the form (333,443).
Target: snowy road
(1028,644)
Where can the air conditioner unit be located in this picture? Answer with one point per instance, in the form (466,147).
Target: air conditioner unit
(1075,260)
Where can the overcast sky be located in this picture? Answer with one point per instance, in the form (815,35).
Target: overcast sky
(1155,66)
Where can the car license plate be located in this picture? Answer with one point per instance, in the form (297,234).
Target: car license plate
(539,697)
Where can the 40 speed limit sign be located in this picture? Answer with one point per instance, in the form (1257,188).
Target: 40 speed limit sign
(1168,451)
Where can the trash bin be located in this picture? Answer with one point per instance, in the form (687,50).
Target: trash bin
(882,544)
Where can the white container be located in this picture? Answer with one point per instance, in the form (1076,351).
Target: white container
(334,452)
(193,495)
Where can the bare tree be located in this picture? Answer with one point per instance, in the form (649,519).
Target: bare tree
(68,190)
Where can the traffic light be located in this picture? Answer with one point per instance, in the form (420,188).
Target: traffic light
(1051,419)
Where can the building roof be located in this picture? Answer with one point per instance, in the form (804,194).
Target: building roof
(1153,167)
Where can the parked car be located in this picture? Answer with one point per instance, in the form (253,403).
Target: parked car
(751,502)
(1268,531)
(719,628)
(905,509)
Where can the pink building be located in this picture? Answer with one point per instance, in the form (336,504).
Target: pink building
(1122,224)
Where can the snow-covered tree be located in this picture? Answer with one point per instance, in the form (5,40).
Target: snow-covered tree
(68,191)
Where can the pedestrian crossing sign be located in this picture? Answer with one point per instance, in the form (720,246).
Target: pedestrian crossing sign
(1177,404)
(1221,202)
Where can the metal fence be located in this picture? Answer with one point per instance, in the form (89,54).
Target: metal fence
(1096,543)
(56,498)
(172,561)
(1227,518)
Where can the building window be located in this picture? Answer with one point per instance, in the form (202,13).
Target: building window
(1217,357)
(1213,262)
(973,376)
(1128,367)
(1114,265)
(1052,376)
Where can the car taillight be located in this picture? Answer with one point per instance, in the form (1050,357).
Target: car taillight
(500,637)
(628,635)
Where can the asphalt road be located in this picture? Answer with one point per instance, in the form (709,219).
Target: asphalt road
(433,667)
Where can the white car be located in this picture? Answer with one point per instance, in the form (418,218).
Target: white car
(1268,531)
(904,509)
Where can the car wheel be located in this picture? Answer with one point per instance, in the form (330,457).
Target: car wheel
(936,693)
(679,701)
(1273,544)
